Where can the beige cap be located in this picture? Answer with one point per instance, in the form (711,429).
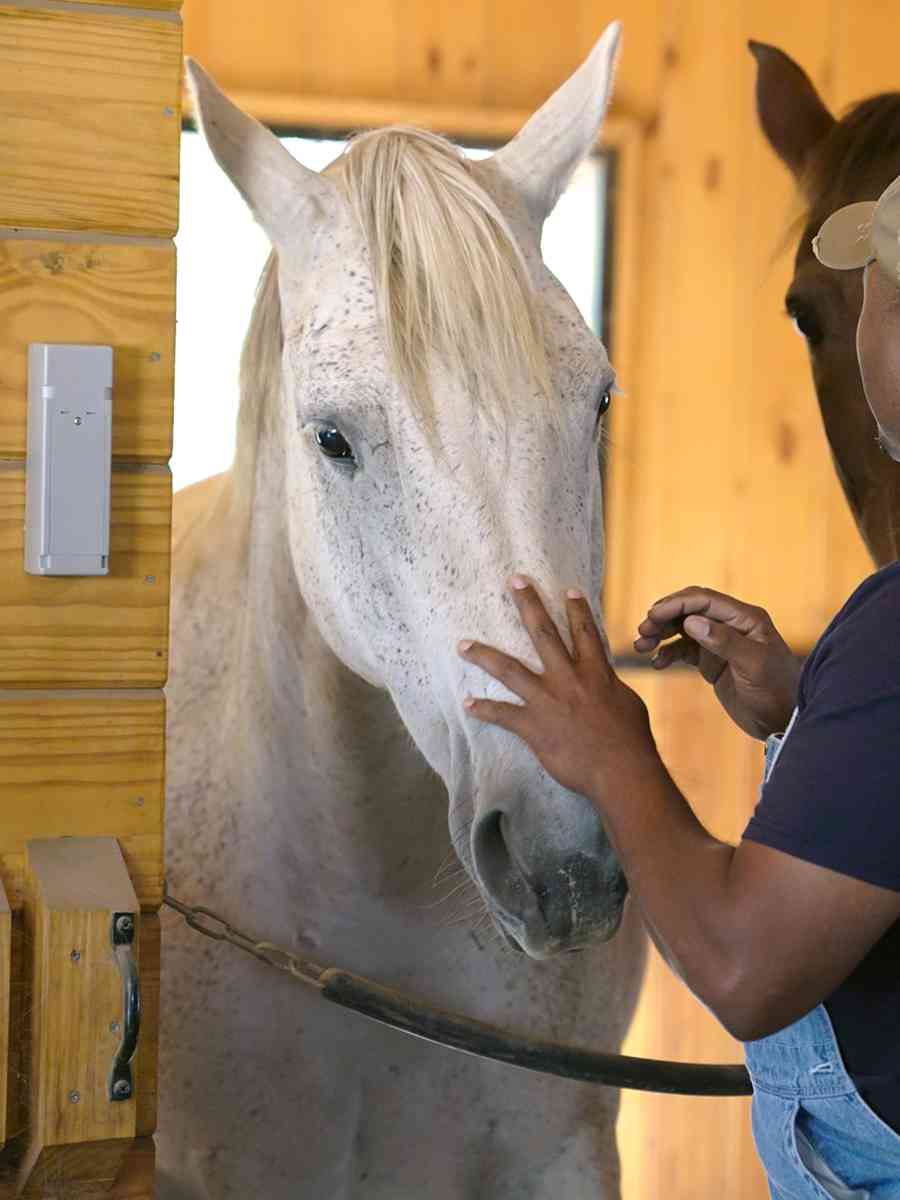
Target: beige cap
(862,233)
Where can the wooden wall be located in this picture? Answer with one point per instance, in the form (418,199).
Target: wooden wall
(720,471)
(90,106)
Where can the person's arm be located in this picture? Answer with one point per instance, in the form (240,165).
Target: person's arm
(758,935)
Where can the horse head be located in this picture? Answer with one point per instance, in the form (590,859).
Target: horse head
(440,401)
(835,162)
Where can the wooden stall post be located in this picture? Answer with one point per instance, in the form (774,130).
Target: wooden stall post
(90,106)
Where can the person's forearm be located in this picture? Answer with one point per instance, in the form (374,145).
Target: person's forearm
(679,876)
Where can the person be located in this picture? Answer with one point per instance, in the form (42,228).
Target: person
(792,937)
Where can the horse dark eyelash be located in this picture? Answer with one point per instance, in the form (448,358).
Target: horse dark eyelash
(805,319)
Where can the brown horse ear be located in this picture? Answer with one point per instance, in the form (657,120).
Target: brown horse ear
(791,113)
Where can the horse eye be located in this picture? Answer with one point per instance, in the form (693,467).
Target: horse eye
(605,401)
(805,322)
(333,444)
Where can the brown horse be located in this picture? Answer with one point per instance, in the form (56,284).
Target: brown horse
(836,162)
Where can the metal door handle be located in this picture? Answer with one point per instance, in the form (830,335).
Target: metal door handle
(121,1084)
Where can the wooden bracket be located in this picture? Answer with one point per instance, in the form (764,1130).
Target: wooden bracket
(74,889)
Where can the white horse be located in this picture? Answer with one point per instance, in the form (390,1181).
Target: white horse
(419,418)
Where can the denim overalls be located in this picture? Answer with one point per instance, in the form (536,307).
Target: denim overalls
(816,1136)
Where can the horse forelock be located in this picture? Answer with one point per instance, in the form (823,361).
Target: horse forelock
(452,286)
(856,159)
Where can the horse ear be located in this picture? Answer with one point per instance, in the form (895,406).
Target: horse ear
(283,195)
(542,157)
(791,113)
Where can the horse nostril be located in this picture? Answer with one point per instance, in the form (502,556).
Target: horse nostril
(489,849)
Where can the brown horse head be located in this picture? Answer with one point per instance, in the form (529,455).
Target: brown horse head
(836,162)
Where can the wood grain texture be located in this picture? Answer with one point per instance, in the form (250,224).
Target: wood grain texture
(134,1180)
(73,888)
(167,6)
(482,52)
(96,292)
(731,481)
(96,146)
(145,1065)
(106,631)
(683,1147)
(84,764)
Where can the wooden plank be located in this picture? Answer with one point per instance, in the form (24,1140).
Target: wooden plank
(5,994)
(135,1180)
(83,764)
(336,49)
(167,6)
(74,888)
(442,56)
(97,147)
(718,768)
(98,292)
(106,631)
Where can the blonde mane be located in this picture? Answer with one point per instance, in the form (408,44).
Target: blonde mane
(451,283)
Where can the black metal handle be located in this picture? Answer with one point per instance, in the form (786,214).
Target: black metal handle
(121,1084)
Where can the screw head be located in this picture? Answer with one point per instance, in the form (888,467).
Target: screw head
(78,420)
(114,1027)
(124,924)
(122,1088)
(74,1097)
(75,955)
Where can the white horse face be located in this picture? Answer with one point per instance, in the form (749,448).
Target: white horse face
(402,539)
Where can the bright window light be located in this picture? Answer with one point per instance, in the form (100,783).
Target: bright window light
(221,253)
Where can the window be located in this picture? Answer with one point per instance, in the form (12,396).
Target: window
(221,252)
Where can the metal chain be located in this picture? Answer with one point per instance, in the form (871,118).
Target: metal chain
(200,918)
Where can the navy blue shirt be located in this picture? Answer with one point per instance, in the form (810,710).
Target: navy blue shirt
(833,799)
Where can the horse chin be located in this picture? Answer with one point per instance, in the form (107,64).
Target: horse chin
(535,937)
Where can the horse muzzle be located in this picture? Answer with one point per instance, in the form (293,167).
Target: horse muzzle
(547,902)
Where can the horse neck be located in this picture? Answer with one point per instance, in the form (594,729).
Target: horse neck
(325,755)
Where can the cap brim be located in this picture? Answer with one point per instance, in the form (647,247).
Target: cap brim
(844,241)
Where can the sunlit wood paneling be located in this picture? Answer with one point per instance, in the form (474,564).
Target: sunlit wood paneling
(83,764)
(682,1146)
(93,631)
(114,293)
(94,148)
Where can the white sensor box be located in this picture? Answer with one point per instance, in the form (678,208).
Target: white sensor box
(69,459)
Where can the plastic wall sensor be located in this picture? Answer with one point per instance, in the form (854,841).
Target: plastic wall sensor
(69,459)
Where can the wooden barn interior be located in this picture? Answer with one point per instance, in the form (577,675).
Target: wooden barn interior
(718,470)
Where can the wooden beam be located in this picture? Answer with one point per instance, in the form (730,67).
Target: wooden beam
(76,886)
(308,111)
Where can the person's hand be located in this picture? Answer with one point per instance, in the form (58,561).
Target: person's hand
(586,727)
(735,647)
